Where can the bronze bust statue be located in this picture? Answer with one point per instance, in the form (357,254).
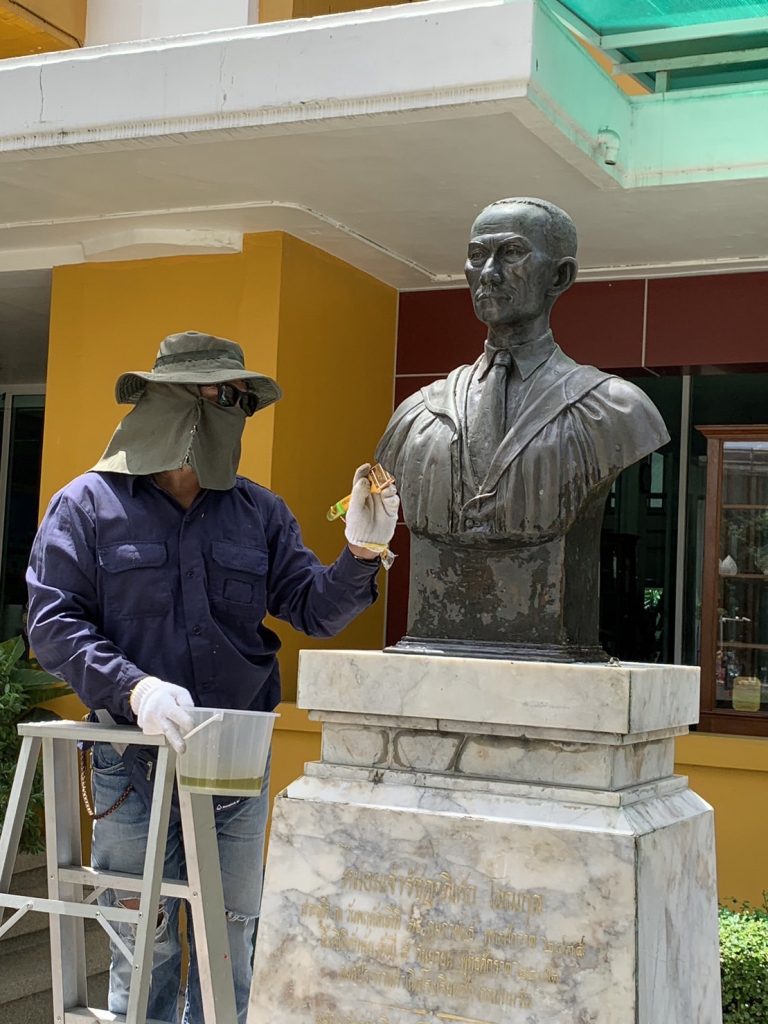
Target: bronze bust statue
(504,466)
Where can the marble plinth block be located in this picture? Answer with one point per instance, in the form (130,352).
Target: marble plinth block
(488,842)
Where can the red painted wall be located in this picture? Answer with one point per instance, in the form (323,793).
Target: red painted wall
(717,320)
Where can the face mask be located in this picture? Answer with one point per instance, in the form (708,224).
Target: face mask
(172,426)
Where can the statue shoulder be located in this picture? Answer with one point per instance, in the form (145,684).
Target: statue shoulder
(412,404)
(623,392)
(394,437)
(437,399)
(632,411)
(438,396)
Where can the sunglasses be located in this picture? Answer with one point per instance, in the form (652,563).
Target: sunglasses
(228,396)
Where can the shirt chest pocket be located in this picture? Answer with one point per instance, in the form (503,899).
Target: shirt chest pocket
(237,578)
(134,578)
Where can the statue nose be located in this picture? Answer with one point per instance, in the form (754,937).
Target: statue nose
(490,272)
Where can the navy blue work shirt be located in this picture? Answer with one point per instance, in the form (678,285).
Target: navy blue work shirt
(125,583)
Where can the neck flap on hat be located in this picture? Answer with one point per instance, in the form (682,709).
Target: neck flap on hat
(170,427)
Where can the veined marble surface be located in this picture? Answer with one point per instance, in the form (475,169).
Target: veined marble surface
(678,974)
(386,903)
(473,755)
(494,729)
(584,808)
(602,698)
(377,916)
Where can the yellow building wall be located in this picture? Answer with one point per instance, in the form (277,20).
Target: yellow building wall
(37,26)
(336,355)
(283,10)
(310,8)
(731,774)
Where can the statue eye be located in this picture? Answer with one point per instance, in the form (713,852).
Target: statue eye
(477,256)
(514,252)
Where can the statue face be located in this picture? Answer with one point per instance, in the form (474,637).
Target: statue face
(512,276)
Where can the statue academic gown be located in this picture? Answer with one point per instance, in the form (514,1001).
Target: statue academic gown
(508,566)
(576,428)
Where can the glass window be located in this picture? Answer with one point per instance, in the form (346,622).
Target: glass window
(637,570)
(20,471)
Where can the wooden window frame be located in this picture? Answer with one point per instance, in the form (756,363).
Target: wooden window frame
(714,719)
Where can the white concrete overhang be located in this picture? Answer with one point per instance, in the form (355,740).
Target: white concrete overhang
(376,135)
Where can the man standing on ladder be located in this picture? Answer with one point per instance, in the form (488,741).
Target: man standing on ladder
(149,581)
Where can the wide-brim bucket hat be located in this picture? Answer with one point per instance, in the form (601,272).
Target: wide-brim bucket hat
(195,358)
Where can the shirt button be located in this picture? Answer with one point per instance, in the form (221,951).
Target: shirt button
(196,631)
(190,573)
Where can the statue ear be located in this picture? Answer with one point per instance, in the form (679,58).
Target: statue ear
(565,275)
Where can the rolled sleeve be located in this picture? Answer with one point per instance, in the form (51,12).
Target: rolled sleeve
(320,600)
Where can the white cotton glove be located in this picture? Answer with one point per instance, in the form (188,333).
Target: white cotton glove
(159,709)
(371,518)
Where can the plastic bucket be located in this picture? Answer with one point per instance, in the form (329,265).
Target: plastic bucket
(226,752)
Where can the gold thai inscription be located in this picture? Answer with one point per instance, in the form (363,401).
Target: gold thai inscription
(515,901)
(429,891)
(510,937)
(384,949)
(420,934)
(321,909)
(577,949)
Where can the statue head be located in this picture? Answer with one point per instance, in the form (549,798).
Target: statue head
(521,257)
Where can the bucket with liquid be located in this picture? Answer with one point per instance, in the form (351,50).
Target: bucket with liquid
(226,752)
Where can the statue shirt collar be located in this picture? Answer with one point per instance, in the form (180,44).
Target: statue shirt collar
(526,358)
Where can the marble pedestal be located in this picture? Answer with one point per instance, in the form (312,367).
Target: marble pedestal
(488,842)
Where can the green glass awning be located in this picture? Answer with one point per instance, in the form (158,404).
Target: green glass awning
(608,16)
(676,44)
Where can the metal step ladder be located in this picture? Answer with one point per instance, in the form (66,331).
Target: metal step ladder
(66,903)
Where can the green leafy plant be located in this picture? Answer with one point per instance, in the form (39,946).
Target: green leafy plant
(23,686)
(744,963)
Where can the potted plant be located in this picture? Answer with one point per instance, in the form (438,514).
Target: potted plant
(744,963)
(23,686)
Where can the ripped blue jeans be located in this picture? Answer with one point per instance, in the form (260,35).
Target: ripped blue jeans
(119,844)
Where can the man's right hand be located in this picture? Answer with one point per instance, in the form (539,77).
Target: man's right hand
(159,709)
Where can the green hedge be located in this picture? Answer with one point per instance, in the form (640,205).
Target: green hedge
(744,963)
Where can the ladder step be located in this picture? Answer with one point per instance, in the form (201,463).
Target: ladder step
(62,729)
(80,874)
(68,908)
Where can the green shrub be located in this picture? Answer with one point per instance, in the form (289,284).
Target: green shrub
(744,963)
(23,686)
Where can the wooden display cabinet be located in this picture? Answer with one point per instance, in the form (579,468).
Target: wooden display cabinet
(734,612)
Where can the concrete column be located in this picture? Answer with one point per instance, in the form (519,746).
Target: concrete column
(116,21)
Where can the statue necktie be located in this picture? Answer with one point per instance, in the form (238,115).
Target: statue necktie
(490,420)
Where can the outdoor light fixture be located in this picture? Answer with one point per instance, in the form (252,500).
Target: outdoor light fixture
(608,142)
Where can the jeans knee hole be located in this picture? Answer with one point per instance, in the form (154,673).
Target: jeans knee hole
(133,904)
